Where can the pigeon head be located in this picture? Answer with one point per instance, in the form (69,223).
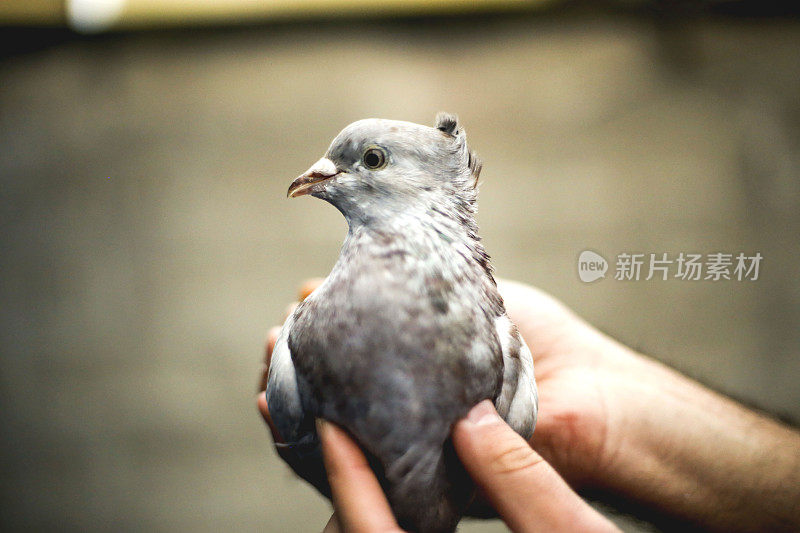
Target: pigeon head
(377,168)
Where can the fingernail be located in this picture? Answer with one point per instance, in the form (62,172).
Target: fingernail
(321,425)
(483,413)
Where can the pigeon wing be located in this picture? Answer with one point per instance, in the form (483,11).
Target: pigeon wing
(518,400)
(299,444)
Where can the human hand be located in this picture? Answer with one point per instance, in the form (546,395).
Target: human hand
(614,420)
(527,493)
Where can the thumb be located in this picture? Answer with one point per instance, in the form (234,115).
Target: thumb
(524,489)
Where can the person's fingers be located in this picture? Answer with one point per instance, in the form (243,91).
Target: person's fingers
(360,503)
(308,287)
(527,493)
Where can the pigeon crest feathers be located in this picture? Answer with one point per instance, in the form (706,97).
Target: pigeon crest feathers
(448,123)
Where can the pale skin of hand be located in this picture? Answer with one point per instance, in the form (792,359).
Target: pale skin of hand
(614,420)
(527,493)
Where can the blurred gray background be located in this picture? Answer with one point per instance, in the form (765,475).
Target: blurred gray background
(147,243)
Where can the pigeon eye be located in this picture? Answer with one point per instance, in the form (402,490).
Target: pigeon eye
(374,158)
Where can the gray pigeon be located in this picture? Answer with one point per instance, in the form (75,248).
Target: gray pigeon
(408,331)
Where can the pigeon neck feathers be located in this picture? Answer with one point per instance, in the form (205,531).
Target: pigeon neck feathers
(437,232)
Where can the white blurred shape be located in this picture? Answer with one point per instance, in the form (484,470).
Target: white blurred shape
(93,16)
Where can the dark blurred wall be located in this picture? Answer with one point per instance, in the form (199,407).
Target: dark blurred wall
(147,243)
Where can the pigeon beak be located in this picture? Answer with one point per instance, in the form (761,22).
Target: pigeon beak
(321,171)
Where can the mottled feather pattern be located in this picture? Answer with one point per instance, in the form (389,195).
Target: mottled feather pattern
(408,331)
(397,385)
